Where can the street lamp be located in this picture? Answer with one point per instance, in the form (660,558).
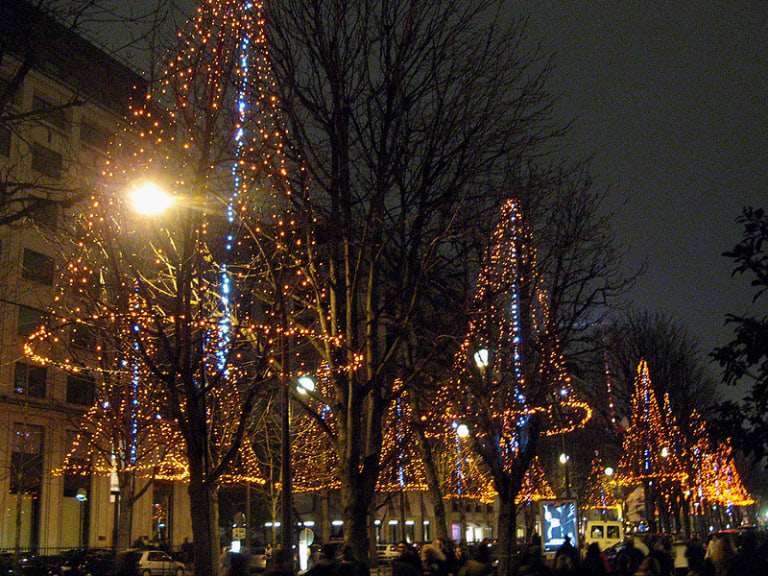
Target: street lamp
(482,358)
(149,199)
(306,384)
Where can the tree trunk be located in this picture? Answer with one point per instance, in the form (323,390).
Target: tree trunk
(506,532)
(430,473)
(124,522)
(355,503)
(18,522)
(325,515)
(202,502)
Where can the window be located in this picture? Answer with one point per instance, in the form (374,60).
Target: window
(29,320)
(26,475)
(80,389)
(38,267)
(5,141)
(26,458)
(46,161)
(46,214)
(14,103)
(410,532)
(94,136)
(50,113)
(29,379)
(82,336)
(613,533)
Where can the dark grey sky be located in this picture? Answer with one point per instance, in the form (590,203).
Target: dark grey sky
(672,99)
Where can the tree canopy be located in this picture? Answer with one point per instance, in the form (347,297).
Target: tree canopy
(744,360)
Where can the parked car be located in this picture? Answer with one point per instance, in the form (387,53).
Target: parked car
(386,552)
(96,562)
(26,564)
(148,563)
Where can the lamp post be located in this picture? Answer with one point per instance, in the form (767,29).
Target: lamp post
(564,459)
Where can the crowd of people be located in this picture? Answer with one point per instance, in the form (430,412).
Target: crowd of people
(721,557)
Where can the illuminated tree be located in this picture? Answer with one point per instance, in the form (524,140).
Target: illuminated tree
(598,492)
(648,457)
(715,482)
(204,324)
(511,386)
(392,134)
(90,336)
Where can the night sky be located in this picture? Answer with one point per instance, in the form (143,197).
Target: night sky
(671,100)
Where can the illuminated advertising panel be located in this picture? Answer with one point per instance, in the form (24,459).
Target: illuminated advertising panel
(558,519)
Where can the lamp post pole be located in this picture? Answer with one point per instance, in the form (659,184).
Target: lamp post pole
(286,536)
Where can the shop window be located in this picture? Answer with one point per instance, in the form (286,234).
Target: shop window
(162,510)
(26,472)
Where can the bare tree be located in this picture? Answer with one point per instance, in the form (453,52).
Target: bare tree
(401,119)
(674,359)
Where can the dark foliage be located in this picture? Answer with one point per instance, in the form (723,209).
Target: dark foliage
(744,360)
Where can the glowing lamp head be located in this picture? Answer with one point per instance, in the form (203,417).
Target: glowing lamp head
(482,358)
(149,199)
(81,495)
(462,430)
(306,384)
(664,452)
(609,471)
(564,458)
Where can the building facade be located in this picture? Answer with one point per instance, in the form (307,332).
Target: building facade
(55,131)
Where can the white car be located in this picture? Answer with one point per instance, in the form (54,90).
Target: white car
(386,552)
(154,563)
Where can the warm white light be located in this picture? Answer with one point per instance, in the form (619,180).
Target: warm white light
(306,384)
(664,452)
(149,199)
(482,357)
(564,458)
(609,471)
(462,430)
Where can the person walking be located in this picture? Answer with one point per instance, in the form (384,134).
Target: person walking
(407,562)
(479,563)
(595,563)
